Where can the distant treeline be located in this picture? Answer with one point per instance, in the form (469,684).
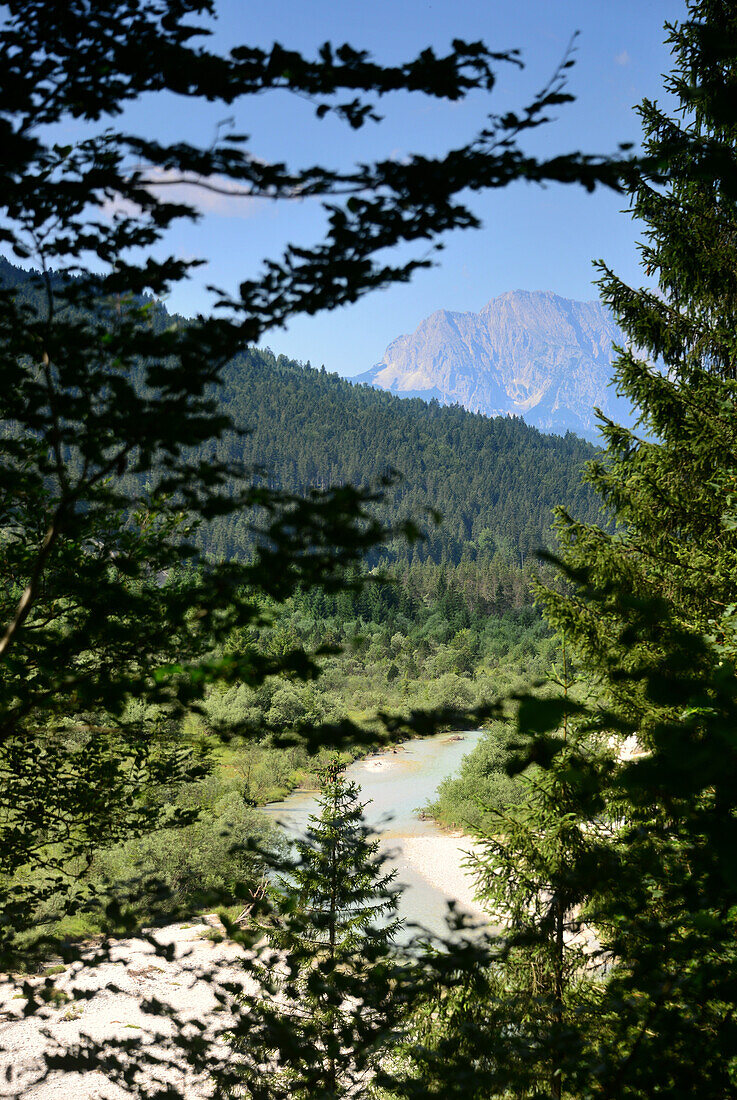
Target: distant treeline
(494,481)
(462,595)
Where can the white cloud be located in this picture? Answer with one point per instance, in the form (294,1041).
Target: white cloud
(622,58)
(210,195)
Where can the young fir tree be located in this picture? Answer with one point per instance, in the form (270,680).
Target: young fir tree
(327,1007)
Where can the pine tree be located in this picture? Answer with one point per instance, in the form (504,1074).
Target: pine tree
(511,1017)
(327,1008)
(547,983)
(652,613)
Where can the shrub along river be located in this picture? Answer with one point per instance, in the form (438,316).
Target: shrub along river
(396,784)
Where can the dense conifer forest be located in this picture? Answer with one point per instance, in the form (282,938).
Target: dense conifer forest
(493,481)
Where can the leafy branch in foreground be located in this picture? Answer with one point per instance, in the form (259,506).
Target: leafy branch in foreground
(102,400)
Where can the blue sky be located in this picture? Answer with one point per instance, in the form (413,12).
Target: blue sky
(532,238)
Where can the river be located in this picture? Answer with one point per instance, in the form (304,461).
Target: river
(395,784)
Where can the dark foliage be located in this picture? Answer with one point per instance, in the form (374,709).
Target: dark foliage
(493,482)
(101,404)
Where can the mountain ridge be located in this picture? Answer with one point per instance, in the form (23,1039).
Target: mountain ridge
(527,353)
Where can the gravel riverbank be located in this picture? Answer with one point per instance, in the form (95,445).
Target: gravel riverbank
(442,861)
(104,1001)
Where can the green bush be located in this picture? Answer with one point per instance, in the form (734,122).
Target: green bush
(173,872)
(214,861)
(483,786)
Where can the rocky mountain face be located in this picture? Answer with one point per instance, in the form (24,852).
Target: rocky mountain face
(526,353)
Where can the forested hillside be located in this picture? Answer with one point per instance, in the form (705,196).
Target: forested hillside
(494,481)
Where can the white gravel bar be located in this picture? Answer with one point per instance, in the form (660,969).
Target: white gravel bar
(442,861)
(139,974)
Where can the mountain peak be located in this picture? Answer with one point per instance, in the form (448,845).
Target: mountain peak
(530,353)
